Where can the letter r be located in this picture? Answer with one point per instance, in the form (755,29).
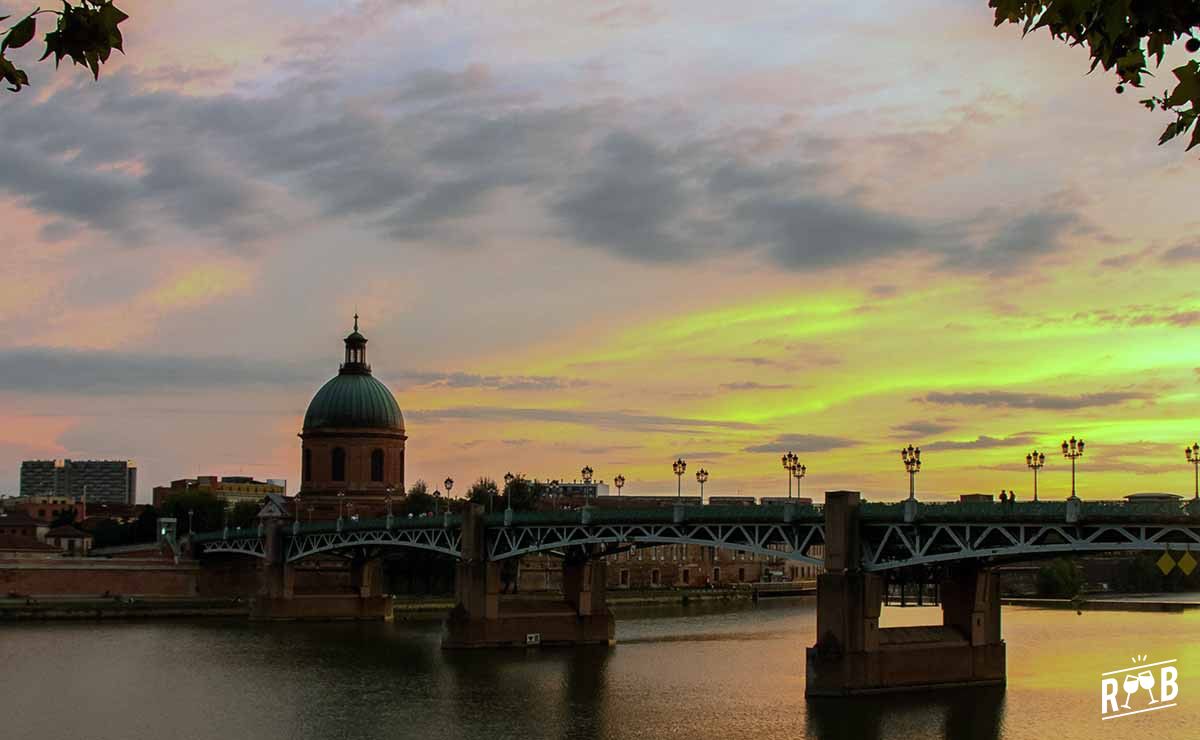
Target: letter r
(1108,693)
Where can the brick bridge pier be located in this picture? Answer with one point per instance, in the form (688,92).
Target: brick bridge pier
(854,656)
(479,620)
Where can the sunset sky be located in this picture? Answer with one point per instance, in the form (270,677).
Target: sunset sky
(602,233)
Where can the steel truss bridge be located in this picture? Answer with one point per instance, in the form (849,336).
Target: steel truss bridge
(891,535)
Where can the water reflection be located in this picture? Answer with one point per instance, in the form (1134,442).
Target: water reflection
(976,713)
(694,673)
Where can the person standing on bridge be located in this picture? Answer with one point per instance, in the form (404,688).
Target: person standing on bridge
(1003,497)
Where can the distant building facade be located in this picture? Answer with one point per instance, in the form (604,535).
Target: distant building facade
(103,481)
(231,489)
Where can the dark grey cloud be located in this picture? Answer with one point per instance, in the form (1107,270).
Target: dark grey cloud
(38,370)
(922,428)
(496,382)
(1142,315)
(814,232)
(104,372)
(751,385)
(624,420)
(1018,240)
(803,443)
(982,442)
(629,202)
(1186,252)
(607,176)
(1010,399)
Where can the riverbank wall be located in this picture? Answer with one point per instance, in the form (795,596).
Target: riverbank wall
(1143,604)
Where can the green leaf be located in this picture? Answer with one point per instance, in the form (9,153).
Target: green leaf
(20,34)
(13,76)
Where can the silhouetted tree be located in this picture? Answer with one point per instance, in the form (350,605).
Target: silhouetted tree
(1060,578)
(244,514)
(1122,35)
(87,33)
(209,511)
(418,501)
(482,491)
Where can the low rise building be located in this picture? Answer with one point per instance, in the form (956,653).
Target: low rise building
(69,540)
(231,488)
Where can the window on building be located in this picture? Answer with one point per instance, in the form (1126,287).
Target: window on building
(654,577)
(338,464)
(625,578)
(741,575)
(716,576)
(687,576)
(377,465)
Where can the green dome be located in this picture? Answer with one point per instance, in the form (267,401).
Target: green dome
(354,401)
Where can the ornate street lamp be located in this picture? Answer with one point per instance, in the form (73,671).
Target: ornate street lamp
(387,499)
(586,472)
(619,482)
(702,478)
(799,472)
(449,484)
(911,456)
(341,497)
(790,461)
(1193,456)
(679,466)
(508,481)
(1072,450)
(191,513)
(1035,460)
(310,511)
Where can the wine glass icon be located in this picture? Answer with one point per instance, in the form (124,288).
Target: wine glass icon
(1130,685)
(1146,680)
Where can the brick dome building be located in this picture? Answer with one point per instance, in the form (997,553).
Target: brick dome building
(352,442)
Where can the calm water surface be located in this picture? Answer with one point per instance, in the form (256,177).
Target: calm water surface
(677,673)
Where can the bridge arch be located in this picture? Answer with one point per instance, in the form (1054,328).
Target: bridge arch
(776,540)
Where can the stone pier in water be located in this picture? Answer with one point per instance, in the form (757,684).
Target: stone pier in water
(854,656)
(480,620)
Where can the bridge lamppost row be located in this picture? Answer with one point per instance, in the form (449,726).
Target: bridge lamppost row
(1035,460)
(789,464)
(799,472)
(1193,456)
(449,483)
(341,496)
(679,466)
(702,478)
(619,482)
(387,499)
(911,456)
(586,472)
(508,481)
(1072,450)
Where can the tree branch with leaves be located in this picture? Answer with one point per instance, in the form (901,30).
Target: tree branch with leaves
(86,33)
(1122,35)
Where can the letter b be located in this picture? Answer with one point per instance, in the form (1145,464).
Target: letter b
(1170,683)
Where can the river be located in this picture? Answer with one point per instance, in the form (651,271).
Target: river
(694,672)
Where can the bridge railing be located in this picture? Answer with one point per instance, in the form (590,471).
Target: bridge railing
(1031,511)
(661,515)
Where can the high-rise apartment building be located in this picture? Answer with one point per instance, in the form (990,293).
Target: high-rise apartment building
(105,481)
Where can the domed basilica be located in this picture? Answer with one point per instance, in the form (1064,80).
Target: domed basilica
(352,442)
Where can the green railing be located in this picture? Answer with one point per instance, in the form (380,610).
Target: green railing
(869,511)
